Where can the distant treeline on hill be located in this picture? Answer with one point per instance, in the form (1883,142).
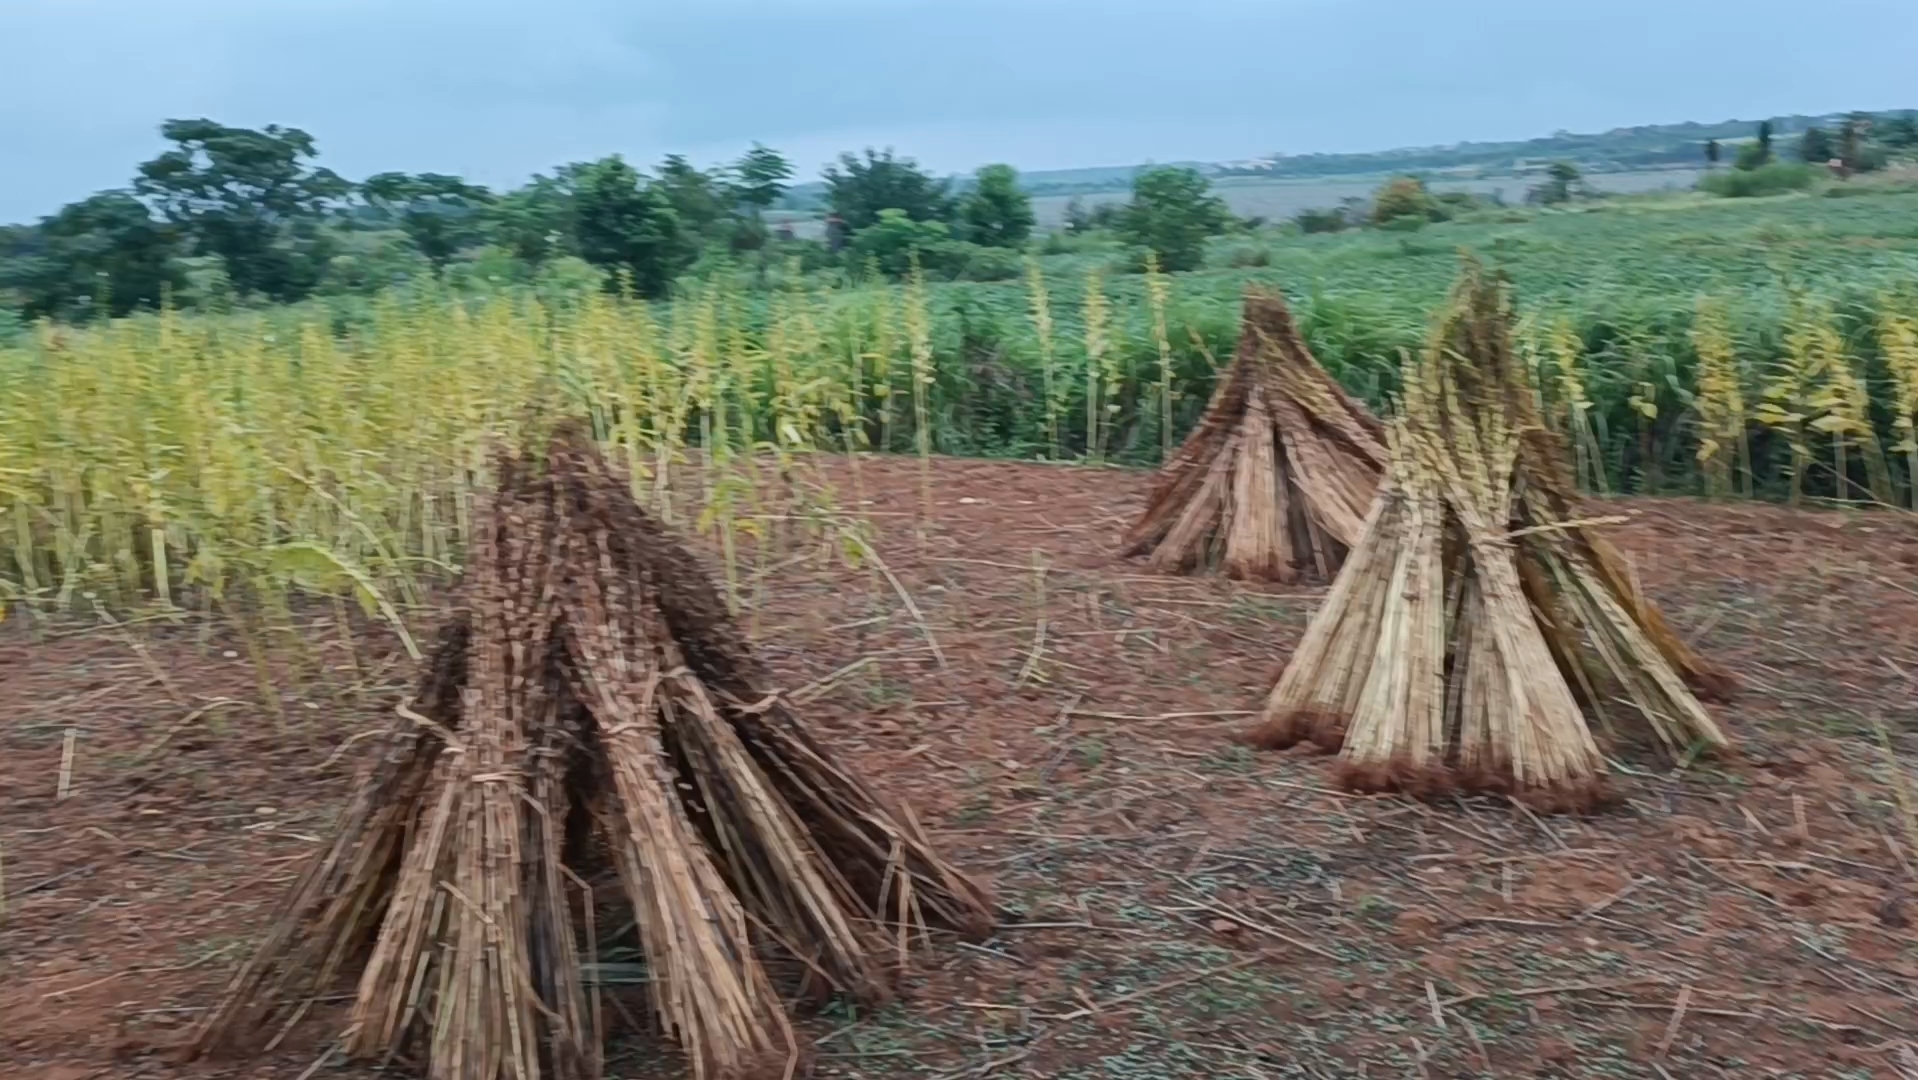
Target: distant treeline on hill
(1648,146)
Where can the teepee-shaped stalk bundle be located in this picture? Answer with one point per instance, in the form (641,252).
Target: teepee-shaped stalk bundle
(1480,617)
(593,720)
(1275,480)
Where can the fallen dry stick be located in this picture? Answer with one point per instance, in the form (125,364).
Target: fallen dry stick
(1170,984)
(1564,988)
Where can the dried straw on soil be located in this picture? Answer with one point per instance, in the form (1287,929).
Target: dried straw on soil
(1275,480)
(592,714)
(1480,615)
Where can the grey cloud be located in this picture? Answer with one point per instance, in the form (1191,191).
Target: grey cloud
(497,90)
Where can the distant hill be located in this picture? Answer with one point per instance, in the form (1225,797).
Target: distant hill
(1626,149)
(1649,146)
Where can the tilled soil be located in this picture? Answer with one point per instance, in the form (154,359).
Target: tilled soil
(1178,905)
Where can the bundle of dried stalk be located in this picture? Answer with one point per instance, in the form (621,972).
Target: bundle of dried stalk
(1276,478)
(1479,615)
(592,713)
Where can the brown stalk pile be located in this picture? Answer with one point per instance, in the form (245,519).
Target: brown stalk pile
(1275,480)
(593,714)
(1481,616)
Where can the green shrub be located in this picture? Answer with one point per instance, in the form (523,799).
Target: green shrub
(1775,179)
(892,239)
(974,262)
(1329,220)
(1401,198)
(1563,183)
(996,212)
(1130,259)
(1753,156)
(1062,242)
(1172,212)
(1243,258)
(1448,205)
(813,255)
(377,262)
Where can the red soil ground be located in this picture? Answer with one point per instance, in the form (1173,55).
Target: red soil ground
(1183,907)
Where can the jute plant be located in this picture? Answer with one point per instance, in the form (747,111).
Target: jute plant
(1898,340)
(1723,445)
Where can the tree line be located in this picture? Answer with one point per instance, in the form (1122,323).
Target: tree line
(1861,143)
(230,214)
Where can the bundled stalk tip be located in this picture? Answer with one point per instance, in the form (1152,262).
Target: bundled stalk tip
(1274,482)
(1479,619)
(591,730)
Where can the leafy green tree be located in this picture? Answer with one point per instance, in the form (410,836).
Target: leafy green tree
(1901,131)
(1318,220)
(253,198)
(105,253)
(535,221)
(1172,213)
(700,199)
(19,245)
(996,212)
(1855,146)
(890,242)
(442,215)
(1814,146)
(858,189)
(621,222)
(759,178)
(1757,153)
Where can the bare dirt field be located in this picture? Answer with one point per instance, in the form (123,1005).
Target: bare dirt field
(1178,906)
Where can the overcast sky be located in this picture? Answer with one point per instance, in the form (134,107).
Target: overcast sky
(497,90)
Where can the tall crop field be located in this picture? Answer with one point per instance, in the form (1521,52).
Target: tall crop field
(230,462)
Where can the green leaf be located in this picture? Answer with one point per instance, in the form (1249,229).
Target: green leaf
(324,570)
